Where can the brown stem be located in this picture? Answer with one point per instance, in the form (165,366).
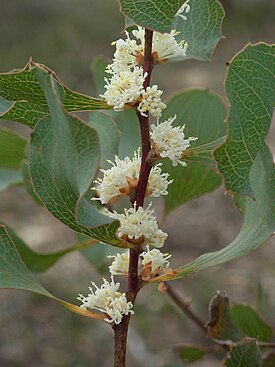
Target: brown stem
(185,307)
(144,126)
(121,330)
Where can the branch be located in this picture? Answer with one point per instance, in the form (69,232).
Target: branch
(185,307)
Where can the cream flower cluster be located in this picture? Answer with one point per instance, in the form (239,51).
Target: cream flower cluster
(151,102)
(140,225)
(125,86)
(153,261)
(156,259)
(123,176)
(169,142)
(109,300)
(120,264)
(164,45)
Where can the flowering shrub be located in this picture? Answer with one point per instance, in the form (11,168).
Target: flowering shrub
(78,173)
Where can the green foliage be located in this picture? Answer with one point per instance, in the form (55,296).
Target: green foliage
(97,256)
(247,355)
(108,134)
(202,29)
(251,323)
(203,113)
(190,353)
(25,100)
(64,156)
(127,123)
(240,328)
(27,182)
(98,71)
(153,14)
(14,273)
(250,87)
(258,224)
(41,262)
(221,325)
(12,147)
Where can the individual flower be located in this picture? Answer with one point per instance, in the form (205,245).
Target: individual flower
(120,264)
(139,225)
(153,262)
(169,142)
(108,300)
(185,8)
(122,178)
(151,102)
(124,87)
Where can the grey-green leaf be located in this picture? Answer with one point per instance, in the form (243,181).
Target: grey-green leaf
(108,133)
(190,353)
(98,70)
(258,224)
(37,262)
(251,323)
(27,101)
(64,157)
(12,148)
(153,14)
(221,325)
(202,29)
(250,87)
(246,355)
(203,114)
(14,273)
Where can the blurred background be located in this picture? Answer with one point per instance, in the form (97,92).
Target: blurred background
(66,36)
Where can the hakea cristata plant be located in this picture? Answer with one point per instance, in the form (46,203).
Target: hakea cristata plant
(139,177)
(65,154)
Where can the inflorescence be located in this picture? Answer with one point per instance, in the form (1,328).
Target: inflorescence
(124,88)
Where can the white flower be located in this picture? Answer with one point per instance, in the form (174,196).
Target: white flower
(140,225)
(156,259)
(185,8)
(151,102)
(107,299)
(124,87)
(122,178)
(120,264)
(169,142)
(164,45)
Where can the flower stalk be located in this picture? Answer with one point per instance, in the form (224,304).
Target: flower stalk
(121,330)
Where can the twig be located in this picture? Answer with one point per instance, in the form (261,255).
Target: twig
(185,307)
